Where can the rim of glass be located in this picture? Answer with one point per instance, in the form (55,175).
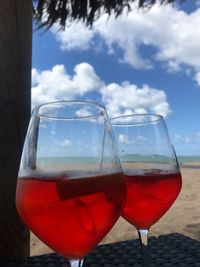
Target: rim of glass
(156,117)
(83,102)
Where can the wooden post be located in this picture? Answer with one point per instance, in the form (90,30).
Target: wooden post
(15,92)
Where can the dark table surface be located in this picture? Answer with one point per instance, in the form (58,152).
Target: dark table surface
(166,251)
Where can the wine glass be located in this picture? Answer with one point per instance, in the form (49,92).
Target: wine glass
(151,170)
(70,188)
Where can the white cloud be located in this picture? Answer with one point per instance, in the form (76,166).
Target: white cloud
(42,125)
(187,143)
(35,76)
(54,84)
(174,35)
(125,98)
(197,78)
(178,136)
(173,66)
(64,143)
(172,32)
(188,138)
(83,112)
(128,98)
(77,36)
(124,139)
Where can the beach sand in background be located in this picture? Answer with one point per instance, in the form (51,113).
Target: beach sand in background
(183,217)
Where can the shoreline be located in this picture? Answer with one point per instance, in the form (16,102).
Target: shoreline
(190,164)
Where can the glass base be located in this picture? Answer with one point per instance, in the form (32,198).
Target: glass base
(143,235)
(76,263)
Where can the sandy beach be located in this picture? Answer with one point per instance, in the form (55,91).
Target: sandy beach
(183,217)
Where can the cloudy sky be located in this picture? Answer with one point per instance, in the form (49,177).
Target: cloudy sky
(140,62)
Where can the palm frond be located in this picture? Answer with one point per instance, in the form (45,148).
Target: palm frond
(47,12)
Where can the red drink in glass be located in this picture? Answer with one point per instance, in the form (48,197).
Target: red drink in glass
(71,215)
(151,170)
(149,196)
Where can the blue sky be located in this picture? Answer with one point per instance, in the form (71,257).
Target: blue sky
(140,62)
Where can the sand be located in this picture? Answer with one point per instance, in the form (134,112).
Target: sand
(183,217)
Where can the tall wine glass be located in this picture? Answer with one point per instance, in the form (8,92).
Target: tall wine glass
(70,189)
(152,175)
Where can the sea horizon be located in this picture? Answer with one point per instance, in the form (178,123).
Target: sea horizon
(74,159)
(186,158)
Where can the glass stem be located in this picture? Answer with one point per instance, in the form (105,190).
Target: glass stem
(76,263)
(143,235)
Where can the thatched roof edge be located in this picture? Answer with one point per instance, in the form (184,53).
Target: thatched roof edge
(48,12)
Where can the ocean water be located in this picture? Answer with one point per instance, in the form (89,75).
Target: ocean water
(68,160)
(128,158)
(57,164)
(184,159)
